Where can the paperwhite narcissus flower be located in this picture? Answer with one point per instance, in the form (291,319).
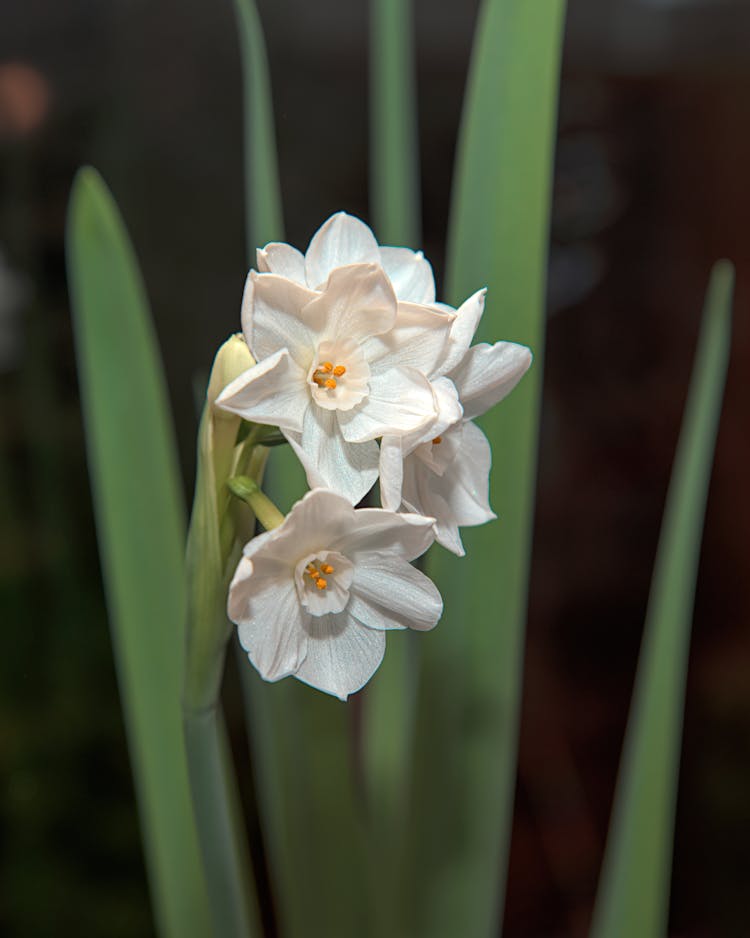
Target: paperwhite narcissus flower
(445,473)
(344,240)
(313,597)
(338,367)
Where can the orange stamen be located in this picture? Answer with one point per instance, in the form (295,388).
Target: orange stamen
(339,370)
(326,568)
(326,366)
(321,583)
(330,383)
(438,439)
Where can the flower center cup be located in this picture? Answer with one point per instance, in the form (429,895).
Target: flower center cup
(338,375)
(322,580)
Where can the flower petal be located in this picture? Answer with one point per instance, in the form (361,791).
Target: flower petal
(270,622)
(274,392)
(341,655)
(391,471)
(418,338)
(388,593)
(400,401)
(488,373)
(272,317)
(341,240)
(330,461)
(356,302)
(282,259)
(393,450)
(464,326)
(458,497)
(374,530)
(410,273)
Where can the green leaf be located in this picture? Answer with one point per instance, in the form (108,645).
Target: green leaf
(389,699)
(472,664)
(300,738)
(394,177)
(263,213)
(633,895)
(141,528)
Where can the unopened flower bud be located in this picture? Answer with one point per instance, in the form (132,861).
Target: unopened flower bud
(232,360)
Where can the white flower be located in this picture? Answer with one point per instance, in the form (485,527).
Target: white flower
(313,597)
(344,240)
(445,471)
(337,368)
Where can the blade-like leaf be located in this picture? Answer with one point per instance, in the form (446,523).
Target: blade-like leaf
(141,528)
(633,896)
(469,697)
(389,700)
(394,175)
(300,739)
(263,213)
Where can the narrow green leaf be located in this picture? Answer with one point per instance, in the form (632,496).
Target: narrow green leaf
(469,697)
(394,174)
(633,896)
(301,739)
(141,527)
(389,700)
(263,213)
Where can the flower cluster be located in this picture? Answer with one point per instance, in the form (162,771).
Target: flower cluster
(367,377)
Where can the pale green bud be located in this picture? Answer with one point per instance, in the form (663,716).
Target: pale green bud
(232,360)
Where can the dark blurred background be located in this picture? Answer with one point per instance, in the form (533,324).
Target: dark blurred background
(651,186)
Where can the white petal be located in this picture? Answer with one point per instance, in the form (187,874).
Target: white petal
(418,338)
(488,373)
(391,471)
(393,450)
(419,495)
(342,656)
(270,622)
(274,392)
(348,468)
(410,273)
(374,530)
(388,593)
(272,317)
(399,401)
(357,301)
(464,326)
(341,240)
(282,259)
(319,519)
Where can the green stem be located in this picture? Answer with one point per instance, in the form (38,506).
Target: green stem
(248,490)
(211,550)
(215,799)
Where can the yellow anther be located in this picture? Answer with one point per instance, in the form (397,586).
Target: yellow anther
(330,383)
(327,367)
(321,583)
(319,379)
(438,439)
(339,370)
(326,568)
(312,570)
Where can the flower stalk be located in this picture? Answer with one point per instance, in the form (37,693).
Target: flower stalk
(211,555)
(247,490)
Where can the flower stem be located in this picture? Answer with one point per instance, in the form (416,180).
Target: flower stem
(217,817)
(248,490)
